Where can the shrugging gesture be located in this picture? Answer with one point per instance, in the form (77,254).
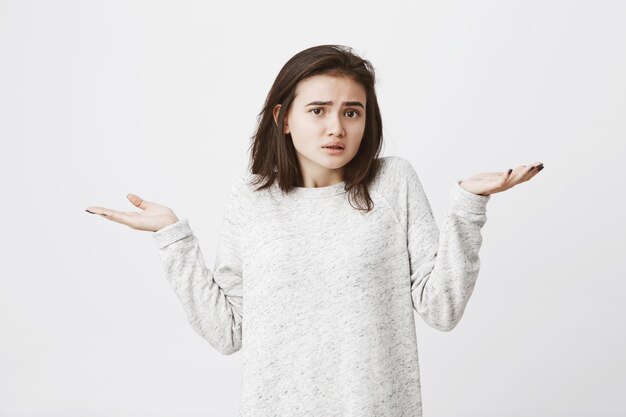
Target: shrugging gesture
(151,218)
(487,183)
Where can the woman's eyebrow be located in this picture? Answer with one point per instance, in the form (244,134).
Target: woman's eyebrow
(345,103)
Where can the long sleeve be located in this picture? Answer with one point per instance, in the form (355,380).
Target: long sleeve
(444,265)
(212,300)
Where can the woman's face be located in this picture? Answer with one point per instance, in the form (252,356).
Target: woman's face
(325,109)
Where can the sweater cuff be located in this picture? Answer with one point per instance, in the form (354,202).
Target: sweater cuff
(172,233)
(462,199)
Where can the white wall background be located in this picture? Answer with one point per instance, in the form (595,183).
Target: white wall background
(100,99)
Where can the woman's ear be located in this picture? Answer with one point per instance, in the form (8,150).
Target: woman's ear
(275,113)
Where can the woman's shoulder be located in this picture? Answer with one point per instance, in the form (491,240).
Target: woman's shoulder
(242,184)
(247,186)
(392,181)
(392,170)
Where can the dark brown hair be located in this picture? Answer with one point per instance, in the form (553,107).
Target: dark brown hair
(273,156)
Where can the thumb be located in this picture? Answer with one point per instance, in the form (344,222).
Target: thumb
(137,201)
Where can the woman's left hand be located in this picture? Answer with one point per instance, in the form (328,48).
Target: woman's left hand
(487,183)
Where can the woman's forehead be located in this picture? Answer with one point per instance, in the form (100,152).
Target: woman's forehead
(324,87)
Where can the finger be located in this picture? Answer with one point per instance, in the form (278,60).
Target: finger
(534,171)
(526,172)
(114,215)
(517,173)
(524,169)
(97,210)
(137,201)
(504,177)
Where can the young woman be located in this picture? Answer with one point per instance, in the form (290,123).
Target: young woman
(326,250)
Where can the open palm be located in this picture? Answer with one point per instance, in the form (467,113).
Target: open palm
(487,183)
(151,218)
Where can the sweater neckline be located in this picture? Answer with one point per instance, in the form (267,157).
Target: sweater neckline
(318,192)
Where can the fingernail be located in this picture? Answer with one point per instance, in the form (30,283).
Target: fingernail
(89,211)
(540,168)
(510,170)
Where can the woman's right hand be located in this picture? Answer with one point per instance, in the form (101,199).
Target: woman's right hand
(152,218)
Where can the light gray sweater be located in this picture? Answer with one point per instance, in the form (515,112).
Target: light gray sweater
(327,327)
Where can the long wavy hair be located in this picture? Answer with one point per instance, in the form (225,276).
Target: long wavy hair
(272,153)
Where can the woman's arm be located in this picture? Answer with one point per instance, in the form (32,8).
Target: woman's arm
(212,300)
(444,264)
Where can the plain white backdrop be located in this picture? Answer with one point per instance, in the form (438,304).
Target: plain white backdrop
(100,99)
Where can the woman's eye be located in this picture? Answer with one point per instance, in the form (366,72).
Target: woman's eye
(356,113)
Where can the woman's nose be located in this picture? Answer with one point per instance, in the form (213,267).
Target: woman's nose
(335,127)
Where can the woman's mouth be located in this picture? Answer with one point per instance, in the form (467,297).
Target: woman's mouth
(333,149)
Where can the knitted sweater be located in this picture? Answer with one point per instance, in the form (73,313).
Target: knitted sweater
(319,297)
